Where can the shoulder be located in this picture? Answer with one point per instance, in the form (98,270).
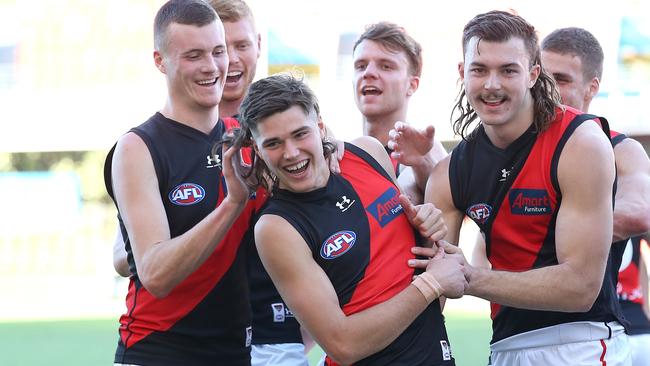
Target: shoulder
(378,152)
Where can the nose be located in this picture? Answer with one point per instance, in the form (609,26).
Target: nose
(492,81)
(290,150)
(209,66)
(233,55)
(370,71)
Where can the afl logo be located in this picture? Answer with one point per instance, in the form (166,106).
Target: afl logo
(479,212)
(187,194)
(338,244)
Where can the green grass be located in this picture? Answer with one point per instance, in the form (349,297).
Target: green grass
(92,342)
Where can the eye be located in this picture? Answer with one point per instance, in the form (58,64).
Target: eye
(243,46)
(359,66)
(302,134)
(386,67)
(270,145)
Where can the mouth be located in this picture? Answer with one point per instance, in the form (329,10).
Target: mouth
(298,168)
(370,90)
(233,77)
(207,82)
(493,100)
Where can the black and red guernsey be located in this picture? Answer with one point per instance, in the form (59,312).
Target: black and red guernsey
(205,319)
(513,195)
(358,234)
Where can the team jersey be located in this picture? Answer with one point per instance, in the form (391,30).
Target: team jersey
(629,288)
(359,236)
(513,195)
(205,319)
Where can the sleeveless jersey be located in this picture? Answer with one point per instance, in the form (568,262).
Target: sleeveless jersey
(205,319)
(273,321)
(617,247)
(360,237)
(629,289)
(513,195)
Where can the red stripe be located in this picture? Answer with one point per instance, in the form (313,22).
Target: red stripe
(602,355)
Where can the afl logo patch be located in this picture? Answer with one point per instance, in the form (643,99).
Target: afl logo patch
(338,244)
(187,194)
(479,212)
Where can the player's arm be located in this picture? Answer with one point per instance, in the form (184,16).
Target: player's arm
(438,192)
(162,261)
(120,263)
(479,253)
(583,235)
(643,273)
(633,190)
(308,292)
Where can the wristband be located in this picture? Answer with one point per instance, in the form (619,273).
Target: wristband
(428,286)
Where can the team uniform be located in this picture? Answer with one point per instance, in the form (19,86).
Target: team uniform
(205,319)
(632,300)
(513,195)
(338,222)
(277,340)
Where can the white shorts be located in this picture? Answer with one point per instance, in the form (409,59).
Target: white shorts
(576,344)
(640,348)
(281,354)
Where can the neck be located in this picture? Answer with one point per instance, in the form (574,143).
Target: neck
(229,108)
(199,118)
(379,126)
(502,135)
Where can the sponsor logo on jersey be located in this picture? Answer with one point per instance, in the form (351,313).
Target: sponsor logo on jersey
(280,312)
(214,161)
(479,212)
(345,203)
(187,194)
(338,244)
(529,202)
(386,208)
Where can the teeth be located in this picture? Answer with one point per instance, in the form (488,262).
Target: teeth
(296,167)
(207,82)
(234,73)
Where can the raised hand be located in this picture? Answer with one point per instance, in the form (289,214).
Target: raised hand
(411,146)
(237,189)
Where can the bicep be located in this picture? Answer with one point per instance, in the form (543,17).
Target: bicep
(633,170)
(136,191)
(301,282)
(585,216)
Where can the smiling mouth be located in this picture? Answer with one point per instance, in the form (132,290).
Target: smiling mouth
(234,76)
(298,167)
(208,82)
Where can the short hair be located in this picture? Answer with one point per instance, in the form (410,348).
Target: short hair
(187,12)
(578,42)
(266,97)
(501,26)
(395,39)
(231,10)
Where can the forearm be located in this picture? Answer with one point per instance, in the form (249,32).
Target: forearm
(553,288)
(169,262)
(630,218)
(360,335)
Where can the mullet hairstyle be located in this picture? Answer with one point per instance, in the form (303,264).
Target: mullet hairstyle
(266,97)
(186,12)
(395,39)
(501,26)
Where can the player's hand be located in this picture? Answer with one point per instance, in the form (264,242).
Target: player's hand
(426,218)
(411,146)
(238,191)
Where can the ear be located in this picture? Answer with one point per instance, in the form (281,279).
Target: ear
(414,83)
(322,128)
(158,60)
(259,45)
(594,87)
(534,75)
(461,70)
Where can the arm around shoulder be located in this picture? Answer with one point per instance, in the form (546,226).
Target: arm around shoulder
(633,190)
